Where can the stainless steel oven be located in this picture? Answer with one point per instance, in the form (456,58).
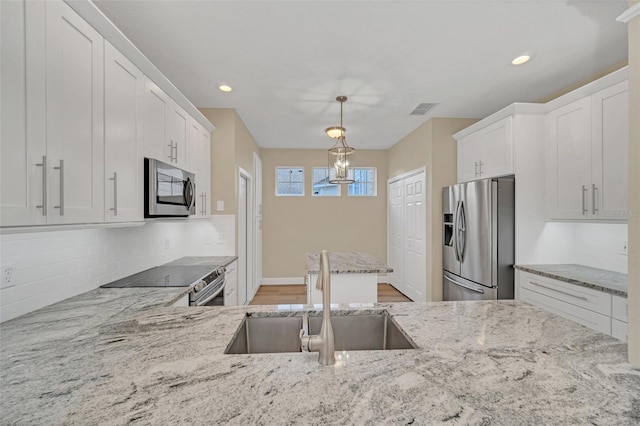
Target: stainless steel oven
(209,291)
(168,190)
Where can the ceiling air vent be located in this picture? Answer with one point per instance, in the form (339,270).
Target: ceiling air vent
(422,109)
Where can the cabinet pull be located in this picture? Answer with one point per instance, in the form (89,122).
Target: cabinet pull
(584,199)
(61,206)
(44,185)
(176,157)
(171,151)
(594,189)
(204,203)
(476,169)
(480,164)
(559,291)
(115,193)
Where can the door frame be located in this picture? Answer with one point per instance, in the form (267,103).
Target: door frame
(248,273)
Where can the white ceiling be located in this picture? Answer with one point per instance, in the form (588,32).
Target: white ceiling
(288,60)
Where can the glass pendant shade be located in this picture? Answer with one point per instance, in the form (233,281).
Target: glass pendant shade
(341,162)
(341,156)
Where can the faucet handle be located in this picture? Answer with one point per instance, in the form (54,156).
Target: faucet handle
(304,334)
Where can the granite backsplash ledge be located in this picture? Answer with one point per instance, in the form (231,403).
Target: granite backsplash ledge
(585,276)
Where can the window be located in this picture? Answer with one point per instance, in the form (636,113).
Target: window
(365,182)
(290,181)
(320,184)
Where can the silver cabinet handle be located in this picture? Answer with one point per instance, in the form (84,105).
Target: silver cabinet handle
(61,206)
(464,285)
(594,188)
(115,193)
(559,291)
(584,199)
(44,185)
(480,164)
(476,169)
(176,157)
(171,158)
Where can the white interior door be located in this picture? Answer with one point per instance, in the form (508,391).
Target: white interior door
(414,238)
(406,234)
(257,208)
(245,239)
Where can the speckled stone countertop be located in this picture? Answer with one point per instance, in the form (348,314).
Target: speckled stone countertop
(585,276)
(351,262)
(119,355)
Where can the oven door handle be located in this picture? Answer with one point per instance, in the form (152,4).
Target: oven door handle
(211,297)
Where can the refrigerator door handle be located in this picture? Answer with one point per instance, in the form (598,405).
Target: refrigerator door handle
(461,230)
(464,285)
(455,231)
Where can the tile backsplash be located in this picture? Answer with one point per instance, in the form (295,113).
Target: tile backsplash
(50,266)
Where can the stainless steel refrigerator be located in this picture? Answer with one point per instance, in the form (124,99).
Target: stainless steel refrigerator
(478,247)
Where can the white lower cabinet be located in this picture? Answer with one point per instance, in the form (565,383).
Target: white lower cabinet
(231,284)
(595,309)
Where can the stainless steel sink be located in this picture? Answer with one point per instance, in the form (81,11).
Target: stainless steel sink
(352,333)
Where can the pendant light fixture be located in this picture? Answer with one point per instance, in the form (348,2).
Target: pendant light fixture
(341,156)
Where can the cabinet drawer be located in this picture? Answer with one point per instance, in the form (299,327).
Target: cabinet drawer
(583,297)
(619,308)
(593,320)
(619,330)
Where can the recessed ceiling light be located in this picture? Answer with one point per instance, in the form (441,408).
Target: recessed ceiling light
(225,88)
(521,60)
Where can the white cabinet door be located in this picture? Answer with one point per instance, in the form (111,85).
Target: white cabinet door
(74,117)
(124,164)
(569,161)
(178,121)
(497,149)
(21,179)
(486,153)
(156,128)
(469,153)
(200,164)
(610,149)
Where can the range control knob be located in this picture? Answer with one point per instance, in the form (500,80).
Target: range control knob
(221,270)
(199,286)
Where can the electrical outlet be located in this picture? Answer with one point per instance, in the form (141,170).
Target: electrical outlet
(8,275)
(167,243)
(625,248)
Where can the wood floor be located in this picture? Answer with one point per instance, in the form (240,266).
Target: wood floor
(297,294)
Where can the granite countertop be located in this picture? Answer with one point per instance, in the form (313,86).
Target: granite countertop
(118,356)
(585,276)
(351,262)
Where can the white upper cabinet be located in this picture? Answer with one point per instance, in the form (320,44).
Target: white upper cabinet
(610,149)
(156,129)
(178,121)
(200,156)
(124,93)
(587,149)
(487,152)
(55,167)
(21,183)
(75,117)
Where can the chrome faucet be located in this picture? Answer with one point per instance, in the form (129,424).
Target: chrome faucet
(322,343)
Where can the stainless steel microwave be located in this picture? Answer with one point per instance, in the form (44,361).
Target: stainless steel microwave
(168,190)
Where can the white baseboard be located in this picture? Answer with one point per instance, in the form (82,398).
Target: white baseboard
(283,281)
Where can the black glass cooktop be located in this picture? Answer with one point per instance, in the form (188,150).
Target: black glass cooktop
(165,276)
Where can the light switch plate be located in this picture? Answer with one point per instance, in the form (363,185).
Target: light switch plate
(220,205)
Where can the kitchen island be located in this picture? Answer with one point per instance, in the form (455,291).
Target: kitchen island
(119,356)
(354,277)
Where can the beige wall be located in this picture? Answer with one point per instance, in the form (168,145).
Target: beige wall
(293,226)
(223,169)
(634,191)
(433,147)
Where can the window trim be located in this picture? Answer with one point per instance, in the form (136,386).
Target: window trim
(375,182)
(339,194)
(276,181)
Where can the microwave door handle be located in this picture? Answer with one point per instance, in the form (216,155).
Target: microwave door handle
(188,193)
